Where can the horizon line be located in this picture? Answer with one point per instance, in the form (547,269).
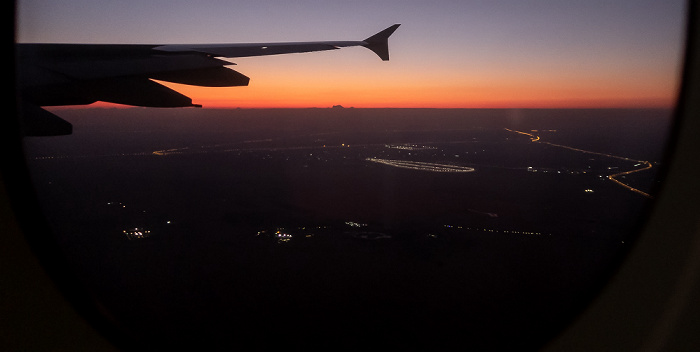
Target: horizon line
(442,108)
(103,105)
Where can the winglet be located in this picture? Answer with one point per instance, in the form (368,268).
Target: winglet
(379,43)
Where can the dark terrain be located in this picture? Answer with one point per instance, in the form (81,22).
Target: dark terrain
(270,227)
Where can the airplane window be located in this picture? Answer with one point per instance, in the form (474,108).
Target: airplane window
(233,174)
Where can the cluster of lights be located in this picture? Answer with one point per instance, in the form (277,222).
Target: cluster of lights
(423,166)
(136,233)
(495,231)
(283,236)
(355,224)
(546,170)
(50,157)
(407,146)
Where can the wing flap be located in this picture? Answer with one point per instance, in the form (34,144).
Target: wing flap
(205,77)
(137,92)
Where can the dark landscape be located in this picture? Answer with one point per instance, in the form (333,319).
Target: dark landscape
(346,227)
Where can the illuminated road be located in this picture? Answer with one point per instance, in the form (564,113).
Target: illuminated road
(533,138)
(647,165)
(423,166)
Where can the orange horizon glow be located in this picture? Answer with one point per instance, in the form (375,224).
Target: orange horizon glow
(301,84)
(356,79)
(656,103)
(283,96)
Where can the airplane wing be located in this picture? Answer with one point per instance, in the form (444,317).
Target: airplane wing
(77,74)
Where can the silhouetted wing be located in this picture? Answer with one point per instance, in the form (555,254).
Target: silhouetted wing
(76,74)
(378,43)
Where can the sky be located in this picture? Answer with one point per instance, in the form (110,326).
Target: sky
(446,54)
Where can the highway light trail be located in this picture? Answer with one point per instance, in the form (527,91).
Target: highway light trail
(612,177)
(423,166)
(533,138)
(646,167)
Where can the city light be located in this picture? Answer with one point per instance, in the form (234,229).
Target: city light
(282,237)
(408,146)
(422,166)
(491,230)
(136,233)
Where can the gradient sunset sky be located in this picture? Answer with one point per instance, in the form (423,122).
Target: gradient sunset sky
(446,54)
